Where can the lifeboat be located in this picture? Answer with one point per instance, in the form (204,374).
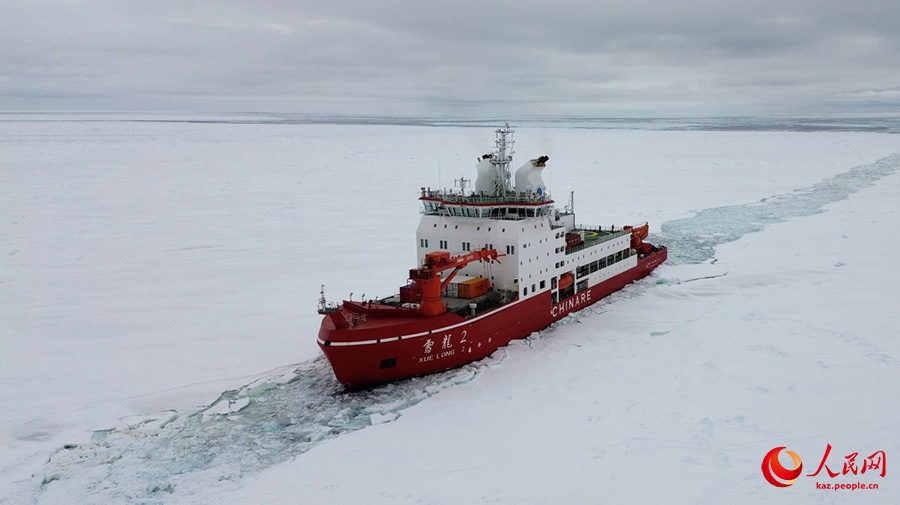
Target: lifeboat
(565,280)
(638,234)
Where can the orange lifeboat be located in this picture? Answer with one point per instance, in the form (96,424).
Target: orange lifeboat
(565,280)
(638,234)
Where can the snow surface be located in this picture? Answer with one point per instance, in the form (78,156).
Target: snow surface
(158,278)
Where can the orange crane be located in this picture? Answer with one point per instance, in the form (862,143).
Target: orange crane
(428,284)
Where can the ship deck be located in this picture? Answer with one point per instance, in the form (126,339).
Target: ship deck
(461,306)
(594,236)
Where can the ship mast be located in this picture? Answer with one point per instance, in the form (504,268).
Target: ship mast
(500,174)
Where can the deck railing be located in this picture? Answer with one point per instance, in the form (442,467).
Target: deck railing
(601,237)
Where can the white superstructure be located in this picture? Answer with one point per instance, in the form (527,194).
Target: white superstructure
(543,248)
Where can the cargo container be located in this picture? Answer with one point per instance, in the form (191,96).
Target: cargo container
(473,287)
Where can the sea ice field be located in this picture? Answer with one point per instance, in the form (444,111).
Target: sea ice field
(159,276)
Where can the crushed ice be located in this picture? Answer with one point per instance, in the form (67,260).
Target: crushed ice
(693,239)
(243,432)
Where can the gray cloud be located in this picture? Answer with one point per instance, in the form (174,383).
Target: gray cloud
(502,57)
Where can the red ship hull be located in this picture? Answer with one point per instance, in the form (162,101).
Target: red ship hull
(391,343)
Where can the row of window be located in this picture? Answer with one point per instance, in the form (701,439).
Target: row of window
(602,263)
(466,246)
(456,227)
(534,287)
(487,212)
(502,230)
(588,269)
(442,244)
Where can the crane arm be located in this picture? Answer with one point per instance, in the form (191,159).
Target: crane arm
(429,285)
(441,260)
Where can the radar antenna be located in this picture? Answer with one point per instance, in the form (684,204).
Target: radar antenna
(500,175)
(461,183)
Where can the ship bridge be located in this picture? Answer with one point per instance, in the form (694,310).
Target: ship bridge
(513,206)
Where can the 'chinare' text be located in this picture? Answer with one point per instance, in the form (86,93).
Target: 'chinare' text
(571,303)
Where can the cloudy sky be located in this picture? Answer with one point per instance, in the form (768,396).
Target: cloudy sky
(457,57)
